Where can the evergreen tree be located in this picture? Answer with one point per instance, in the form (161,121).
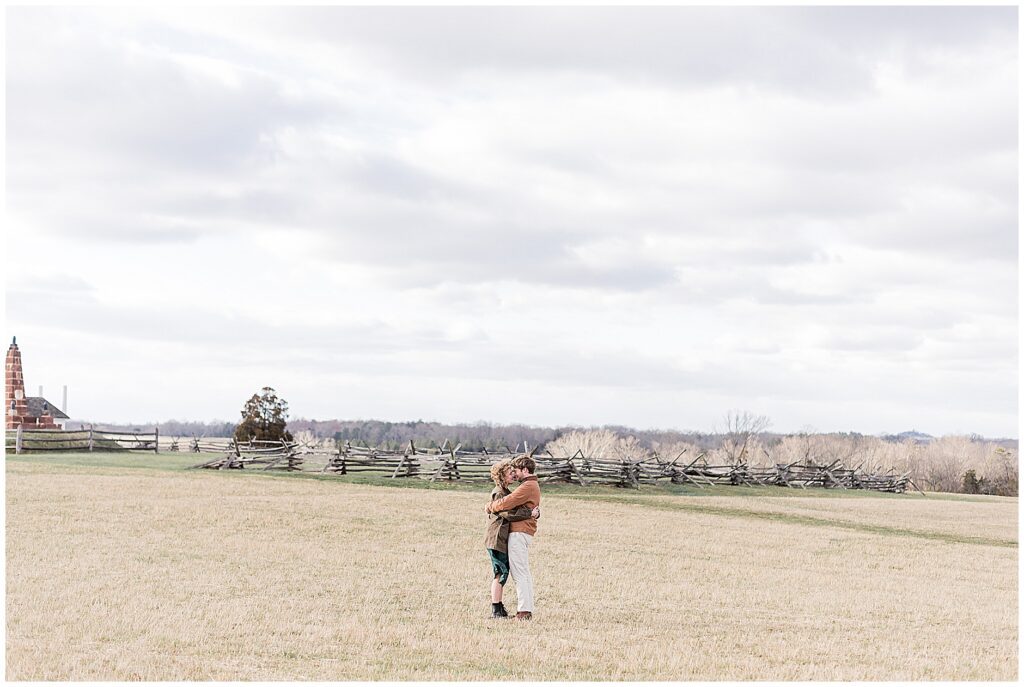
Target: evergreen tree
(264,418)
(971,483)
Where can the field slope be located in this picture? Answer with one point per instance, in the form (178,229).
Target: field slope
(118,573)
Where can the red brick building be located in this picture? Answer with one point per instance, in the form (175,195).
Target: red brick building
(30,412)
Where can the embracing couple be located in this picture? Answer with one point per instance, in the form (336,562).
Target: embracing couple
(512,522)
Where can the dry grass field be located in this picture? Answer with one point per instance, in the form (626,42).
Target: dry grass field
(119,573)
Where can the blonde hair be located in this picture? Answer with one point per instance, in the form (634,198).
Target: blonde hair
(498,472)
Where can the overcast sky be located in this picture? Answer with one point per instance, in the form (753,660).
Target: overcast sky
(583,216)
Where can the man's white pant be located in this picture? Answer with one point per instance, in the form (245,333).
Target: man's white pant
(519,566)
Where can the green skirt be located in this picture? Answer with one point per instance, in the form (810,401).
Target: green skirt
(499,562)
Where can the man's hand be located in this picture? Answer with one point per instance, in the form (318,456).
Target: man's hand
(535,512)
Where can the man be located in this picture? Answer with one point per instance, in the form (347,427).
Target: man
(521,533)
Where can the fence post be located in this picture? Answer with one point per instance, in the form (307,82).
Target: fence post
(17,441)
(156,443)
(90,437)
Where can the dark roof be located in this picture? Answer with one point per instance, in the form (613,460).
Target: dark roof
(35,408)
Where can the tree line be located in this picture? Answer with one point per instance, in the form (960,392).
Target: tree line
(970,464)
(478,436)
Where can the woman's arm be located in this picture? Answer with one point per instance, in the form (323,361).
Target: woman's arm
(516,514)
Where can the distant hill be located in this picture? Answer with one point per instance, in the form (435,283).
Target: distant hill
(922,438)
(912,435)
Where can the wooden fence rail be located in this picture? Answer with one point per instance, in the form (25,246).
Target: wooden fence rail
(89,439)
(265,455)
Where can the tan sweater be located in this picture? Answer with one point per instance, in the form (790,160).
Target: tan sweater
(526,494)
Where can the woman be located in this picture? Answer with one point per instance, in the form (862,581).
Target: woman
(496,540)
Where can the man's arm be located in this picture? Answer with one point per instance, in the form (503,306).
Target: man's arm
(516,498)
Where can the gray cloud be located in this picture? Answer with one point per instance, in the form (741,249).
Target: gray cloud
(835,184)
(888,340)
(149,112)
(812,51)
(73,310)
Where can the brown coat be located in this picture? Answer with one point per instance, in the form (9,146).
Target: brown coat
(526,494)
(498,524)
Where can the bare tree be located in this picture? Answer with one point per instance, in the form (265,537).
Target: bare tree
(846,448)
(1002,470)
(598,443)
(671,450)
(740,429)
(629,448)
(947,460)
(795,448)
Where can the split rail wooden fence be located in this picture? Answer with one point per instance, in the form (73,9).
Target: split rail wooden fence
(263,455)
(451,463)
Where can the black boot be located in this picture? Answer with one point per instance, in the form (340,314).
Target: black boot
(498,610)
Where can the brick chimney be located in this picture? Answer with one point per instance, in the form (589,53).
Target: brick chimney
(15,403)
(20,410)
